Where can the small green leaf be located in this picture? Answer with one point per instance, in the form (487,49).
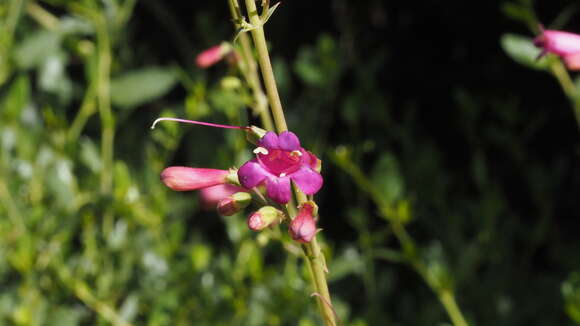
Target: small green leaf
(571,294)
(522,50)
(137,87)
(17,98)
(36,48)
(387,179)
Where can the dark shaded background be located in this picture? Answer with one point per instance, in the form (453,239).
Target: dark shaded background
(485,150)
(431,76)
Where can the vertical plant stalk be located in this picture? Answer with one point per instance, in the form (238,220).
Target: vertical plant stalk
(103,95)
(266,66)
(314,256)
(104,104)
(250,70)
(563,77)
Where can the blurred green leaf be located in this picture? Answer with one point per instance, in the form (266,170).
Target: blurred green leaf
(16,98)
(36,48)
(571,294)
(517,12)
(522,50)
(307,68)
(387,178)
(53,78)
(138,87)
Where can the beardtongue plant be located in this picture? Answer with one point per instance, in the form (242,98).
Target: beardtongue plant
(283,177)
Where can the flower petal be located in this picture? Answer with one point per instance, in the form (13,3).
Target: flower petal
(252,174)
(308,180)
(270,140)
(288,141)
(278,189)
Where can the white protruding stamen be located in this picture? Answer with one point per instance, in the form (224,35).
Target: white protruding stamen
(261,150)
(296,152)
(282,175)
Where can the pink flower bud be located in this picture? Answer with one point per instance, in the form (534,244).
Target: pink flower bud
(234,203)
(211,196)
(303,227)
(264,217)
(181,178)
(212,55)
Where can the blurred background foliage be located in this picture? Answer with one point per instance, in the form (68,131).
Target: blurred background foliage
(420,117)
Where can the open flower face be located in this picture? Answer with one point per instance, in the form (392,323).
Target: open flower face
(279,160)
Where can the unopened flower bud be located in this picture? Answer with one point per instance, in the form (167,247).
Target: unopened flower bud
(234,203)
(182,178)
(264,217)
(303,227)
(212,55)
(211,196)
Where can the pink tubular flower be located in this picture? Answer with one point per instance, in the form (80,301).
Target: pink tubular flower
(279,159)
(564,44)
(211,196)
(303,227)
(212,55)
(182,178)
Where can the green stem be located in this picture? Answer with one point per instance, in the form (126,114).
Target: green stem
(250,71)
(568,87)
(266,66)
(314,257)
(43,17)
(86,110)
(448,300)
(409,248)
(104,60)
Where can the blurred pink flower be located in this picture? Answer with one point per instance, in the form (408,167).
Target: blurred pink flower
(212,55)
(564,44)
(210,196)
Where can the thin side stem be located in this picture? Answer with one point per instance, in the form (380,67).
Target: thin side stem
(409,248)
(447,298)
(102,80)
(568,87)
(266,66)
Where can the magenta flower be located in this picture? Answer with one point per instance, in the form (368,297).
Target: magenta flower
(280,159)
(212,55)
(303,227)
(182,178)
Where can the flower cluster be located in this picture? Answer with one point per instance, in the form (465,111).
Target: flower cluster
(564,44)
(280,161)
